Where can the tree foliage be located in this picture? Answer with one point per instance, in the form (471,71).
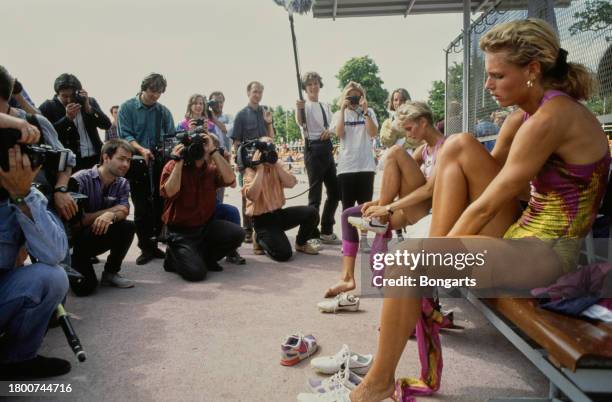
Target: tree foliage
(364,71)
(596,17)
(436,100)
(285,126)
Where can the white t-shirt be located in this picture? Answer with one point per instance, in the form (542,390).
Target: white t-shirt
(356,149)
(314,119)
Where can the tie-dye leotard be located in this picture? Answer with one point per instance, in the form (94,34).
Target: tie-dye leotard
(564,202)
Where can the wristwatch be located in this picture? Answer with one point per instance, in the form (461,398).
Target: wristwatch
(60,189)
(389,210)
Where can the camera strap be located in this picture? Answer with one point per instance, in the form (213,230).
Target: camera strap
(325,123)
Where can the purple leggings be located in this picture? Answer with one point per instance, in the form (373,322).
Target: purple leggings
(350,235)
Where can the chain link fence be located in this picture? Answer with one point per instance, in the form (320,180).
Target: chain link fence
(585,31)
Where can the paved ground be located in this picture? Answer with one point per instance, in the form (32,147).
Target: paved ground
(219,340)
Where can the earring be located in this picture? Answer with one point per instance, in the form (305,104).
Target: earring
(530,84)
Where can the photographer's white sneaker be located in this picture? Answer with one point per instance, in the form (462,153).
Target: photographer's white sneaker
(116,280)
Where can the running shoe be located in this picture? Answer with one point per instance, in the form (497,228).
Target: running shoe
(296,348)
(358,364)
(343,378)
(372,225)
(342,302)
(337,395)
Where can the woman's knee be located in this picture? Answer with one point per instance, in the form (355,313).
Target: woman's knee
(395,151)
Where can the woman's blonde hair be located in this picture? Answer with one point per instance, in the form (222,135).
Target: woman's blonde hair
(193,99)
(534,39)
(413,111)
(352,85)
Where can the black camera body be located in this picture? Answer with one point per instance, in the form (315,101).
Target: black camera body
(50,159)
(354,100)
(193,145)
(78,98)
(244,155)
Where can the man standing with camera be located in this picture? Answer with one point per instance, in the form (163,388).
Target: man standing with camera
(76,118)
(265,179)
(223,124)
(29,295)
(144,122)
(251,122)
(318,155)
(104,225)
(196,241)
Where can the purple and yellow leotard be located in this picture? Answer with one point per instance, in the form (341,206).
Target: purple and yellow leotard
(564,202)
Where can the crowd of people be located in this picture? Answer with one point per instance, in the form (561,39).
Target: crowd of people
(175,176)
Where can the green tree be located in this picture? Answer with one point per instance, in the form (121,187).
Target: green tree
(364,71)
(285,126)
(597,17)
(436,100)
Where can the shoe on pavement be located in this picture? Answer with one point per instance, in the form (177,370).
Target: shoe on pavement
(311,247)
(358,364)
(296,348)
(144,258)
(248,238)
(257,249)
(342,302)
(372,225)
(235,258)
(38,367)
(343,378)
(337,395)
(115,280)
(331,239)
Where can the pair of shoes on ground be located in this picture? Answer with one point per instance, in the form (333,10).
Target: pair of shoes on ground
(342,302)
(115,280)
(347,368)
(38,367)
(296,348)
(235,258)
(147,256)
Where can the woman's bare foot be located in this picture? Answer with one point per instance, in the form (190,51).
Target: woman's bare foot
(341,286)
(372,392)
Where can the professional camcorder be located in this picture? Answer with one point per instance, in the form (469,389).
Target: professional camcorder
(193,142)
(244,156)
(50,159)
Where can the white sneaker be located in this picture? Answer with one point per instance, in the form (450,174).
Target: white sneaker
(330,239)
(343,378)
(337,395)
(342,302)
(358,364)
(372,225)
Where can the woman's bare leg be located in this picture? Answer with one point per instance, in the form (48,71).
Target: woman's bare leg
(347,278)
(401,176)
(463,170)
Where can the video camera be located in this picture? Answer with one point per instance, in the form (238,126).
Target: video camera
(51,160)
(193,143)
(244,155)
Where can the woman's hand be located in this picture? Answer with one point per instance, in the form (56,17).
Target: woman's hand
(367,205)
(345,104)
(364,104)
(376,211)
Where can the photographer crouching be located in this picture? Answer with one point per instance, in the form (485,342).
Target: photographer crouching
(29,294)
(265,179)
(104,226)
(196,241)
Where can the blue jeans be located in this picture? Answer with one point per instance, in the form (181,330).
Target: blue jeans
(28,298)
(226,212)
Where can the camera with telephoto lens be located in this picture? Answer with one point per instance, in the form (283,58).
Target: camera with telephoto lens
(354,100)
(244,155)
(193,145)
(51,160)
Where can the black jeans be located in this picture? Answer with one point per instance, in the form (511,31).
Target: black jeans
(356,188)
(191,249)
(117,239)
(147,208)
(271,227)
(321,169)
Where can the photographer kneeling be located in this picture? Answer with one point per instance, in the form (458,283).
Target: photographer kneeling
(103,225)
(264,182)
(29,294)
(196,241)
